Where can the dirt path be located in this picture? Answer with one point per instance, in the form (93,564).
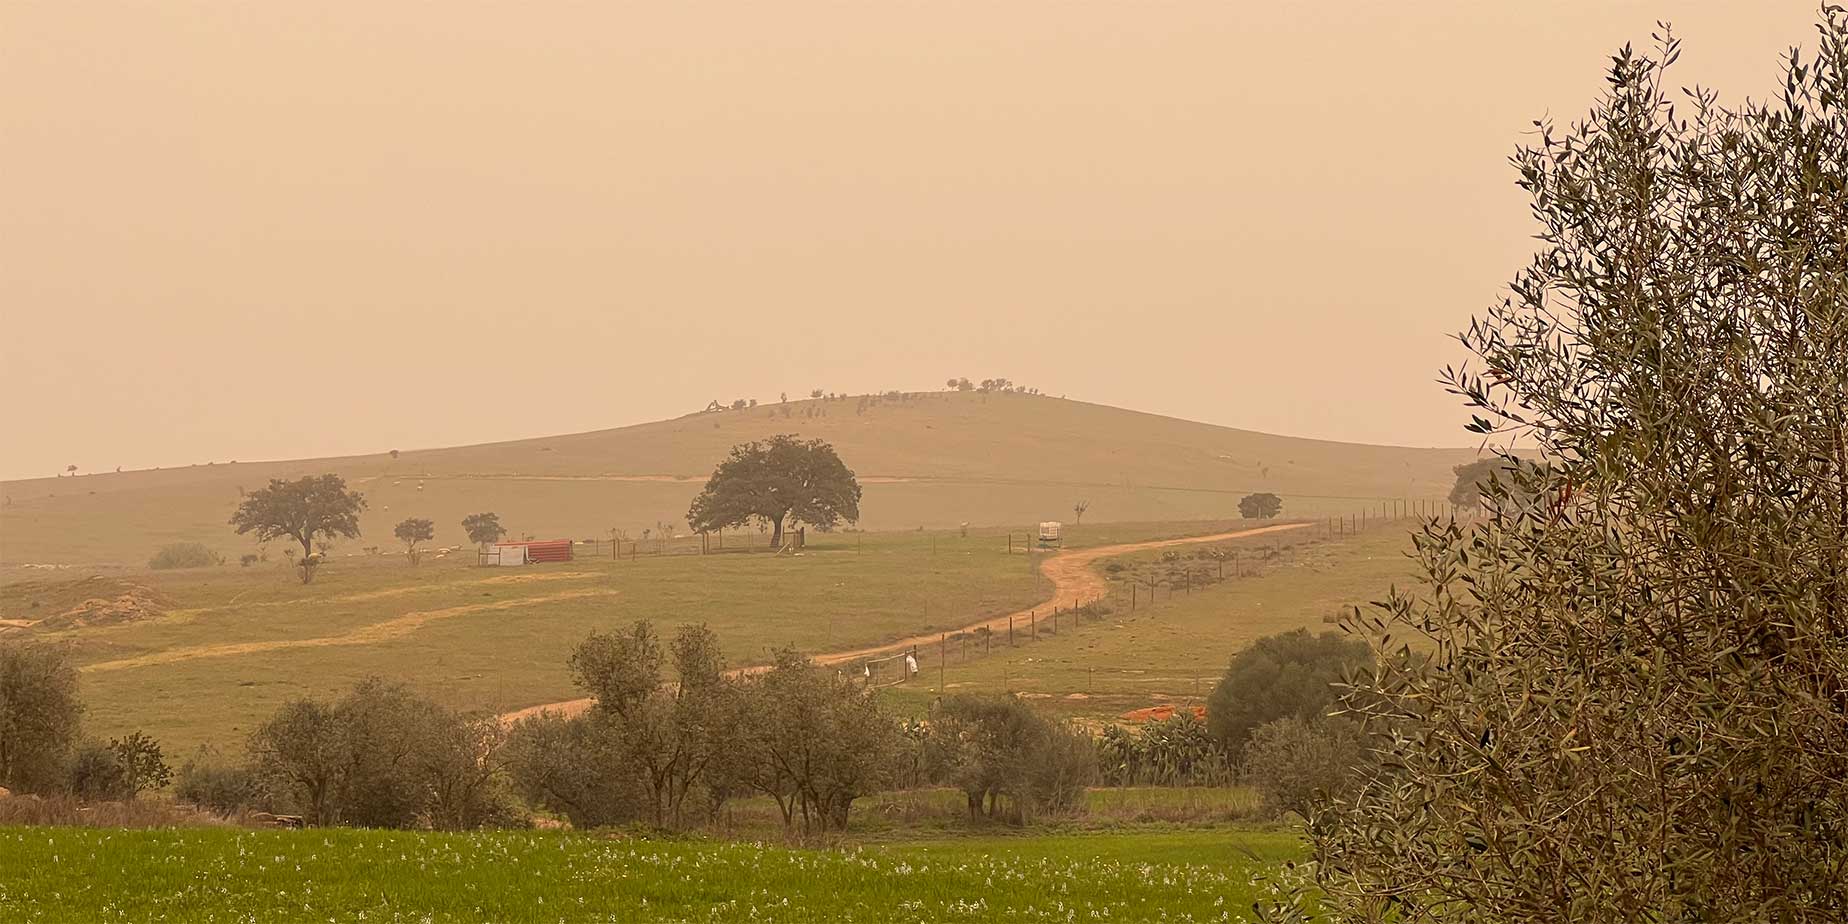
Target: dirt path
(364,635)
(1073,583)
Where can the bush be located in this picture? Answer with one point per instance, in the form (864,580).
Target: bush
(1280,676)
(95,775)
(39,716)
(993,746)
(574,767)
(184,555)
(380,757)
(1178,751)
(120,770)
(210,782)
(1299,764)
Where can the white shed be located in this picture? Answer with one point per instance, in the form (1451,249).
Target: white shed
(510,554)
(1049,531)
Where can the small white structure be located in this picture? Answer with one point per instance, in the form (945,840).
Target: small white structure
(510,554)
(1049,531)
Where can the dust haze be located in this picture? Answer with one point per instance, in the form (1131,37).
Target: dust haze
(282,231)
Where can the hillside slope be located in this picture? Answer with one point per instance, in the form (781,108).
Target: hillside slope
(927,460)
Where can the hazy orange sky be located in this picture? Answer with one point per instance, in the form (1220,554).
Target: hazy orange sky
(266,230)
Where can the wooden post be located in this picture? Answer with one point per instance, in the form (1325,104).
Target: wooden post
(1033,625)
(943,655)
(1010,632)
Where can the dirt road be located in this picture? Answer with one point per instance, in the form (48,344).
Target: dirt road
(1073,583)
(397,627)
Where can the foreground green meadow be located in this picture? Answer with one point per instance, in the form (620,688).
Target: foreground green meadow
(84,874)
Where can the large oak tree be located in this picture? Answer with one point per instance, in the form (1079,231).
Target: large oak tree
(306,509)
(782,481)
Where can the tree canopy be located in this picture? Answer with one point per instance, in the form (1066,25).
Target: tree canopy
(39,714)
(782,481)
(483,528)
(411,531)
(1472,476)
(1629,704)
(1260,506)
(306,509)
(1291,675)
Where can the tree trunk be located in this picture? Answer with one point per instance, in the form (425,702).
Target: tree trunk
(776,532)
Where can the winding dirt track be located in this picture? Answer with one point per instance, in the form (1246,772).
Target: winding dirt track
(1073,583)
(397,627)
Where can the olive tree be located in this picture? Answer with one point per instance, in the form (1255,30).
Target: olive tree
(39,715)
(1631,704)
(668,733)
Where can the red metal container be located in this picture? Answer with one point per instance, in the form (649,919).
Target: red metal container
(547,550)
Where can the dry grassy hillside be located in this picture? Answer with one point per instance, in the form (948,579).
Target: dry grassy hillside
(932,459)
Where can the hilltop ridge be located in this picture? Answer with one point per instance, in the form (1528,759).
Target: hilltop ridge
(927,459)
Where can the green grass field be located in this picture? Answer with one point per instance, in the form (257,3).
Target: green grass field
(234,643)
(1174,650)
(935,460)
(224,875)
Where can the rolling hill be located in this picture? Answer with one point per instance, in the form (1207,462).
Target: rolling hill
(926,459)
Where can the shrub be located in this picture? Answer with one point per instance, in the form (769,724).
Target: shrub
(184,555)
(1280,676)
(1177,751)
(120,770)
(1299,764)
(811,738)
(210,782)
(95,774)
(39,715)
(993,746)
(574,767)
(380,757)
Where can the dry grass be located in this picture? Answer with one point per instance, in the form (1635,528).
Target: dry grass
(137,813)
(936,460)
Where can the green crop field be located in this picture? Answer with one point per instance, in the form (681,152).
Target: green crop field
(935,460)
(217,649)
(225,875)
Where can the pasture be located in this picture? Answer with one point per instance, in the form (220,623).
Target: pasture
(197,875)
(1172,651)
(230,644)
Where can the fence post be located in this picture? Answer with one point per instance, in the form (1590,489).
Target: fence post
(1033,625)
(943,655)
(1010,632)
